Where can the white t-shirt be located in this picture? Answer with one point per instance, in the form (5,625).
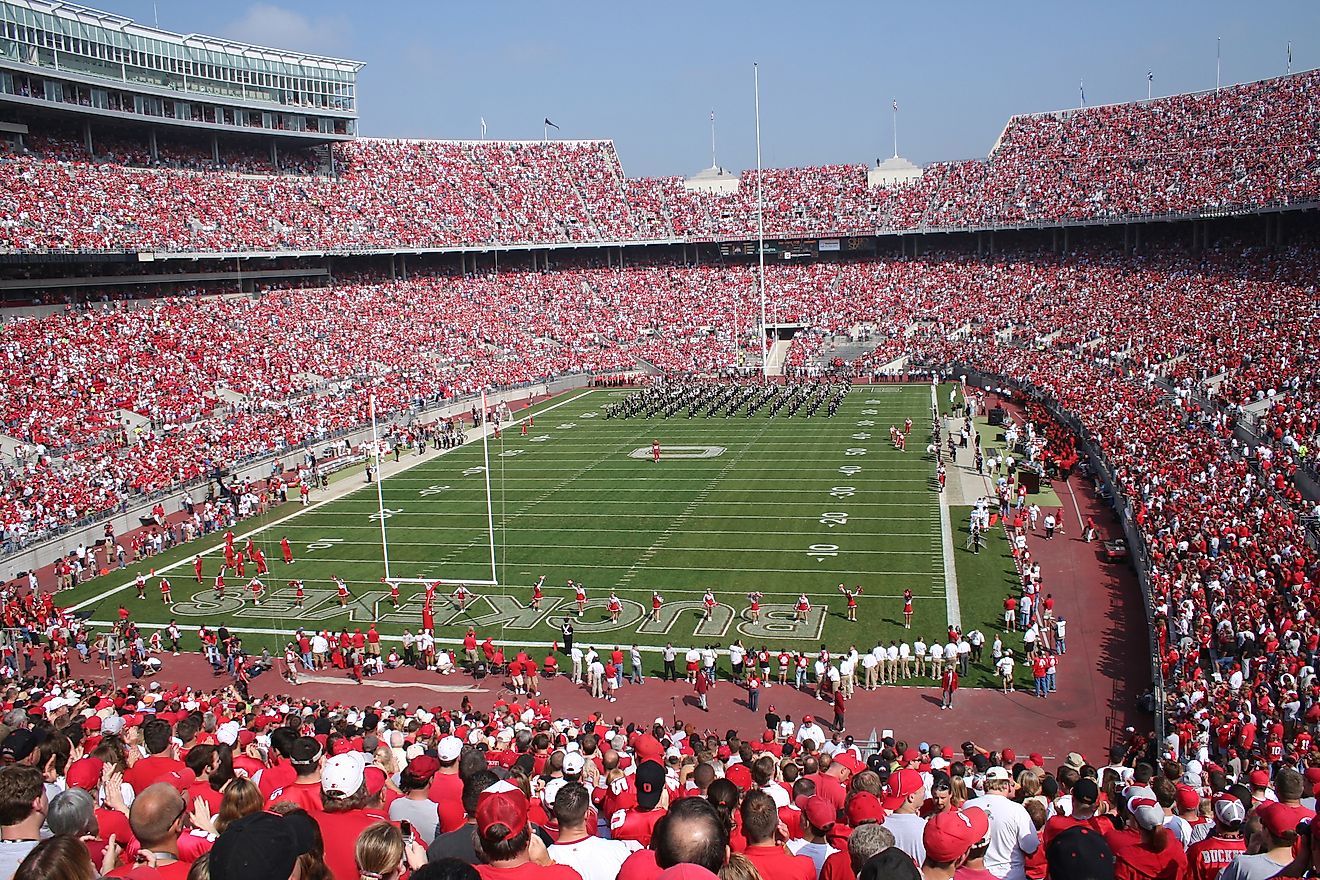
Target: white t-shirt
(1012,836)
(907,829)
(817,852)
(595,858)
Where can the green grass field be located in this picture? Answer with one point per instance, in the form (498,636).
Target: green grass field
(780,505)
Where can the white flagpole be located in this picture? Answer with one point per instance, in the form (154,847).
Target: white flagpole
(490,512)
(1290,57)
(1218,42)
(380,491)
(760,222)
(1150,79)
(895,106)
(713,163)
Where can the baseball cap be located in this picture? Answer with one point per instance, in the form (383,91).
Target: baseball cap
(997,774)
(261,846)
(949,835)
(19,744)
(181,778)
(305,750)
(84,773)
(343,775)
(423,767)
(551,791)
(902,785)
(1259,778)
(1188,797)
(449,748)
(864,807)
(501,804)
(650,782)
(574,762)
(819,812)
(1146,812)
(1079,853)
(1229,811)
(1279,818)
(1086,791)
(113,725)
(374,777)
(849,762)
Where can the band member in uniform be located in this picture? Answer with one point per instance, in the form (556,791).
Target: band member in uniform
(197,567)
(907,609)
(287,551)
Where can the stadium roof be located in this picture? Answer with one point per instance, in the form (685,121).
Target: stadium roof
(132,32)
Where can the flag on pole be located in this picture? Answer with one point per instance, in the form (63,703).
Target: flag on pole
(896,106)
(712,116)
(551,124)
(1081,87)
(483,128)
(1150,76)
(1290,56)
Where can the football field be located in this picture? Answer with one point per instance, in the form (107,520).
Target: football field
(780,505)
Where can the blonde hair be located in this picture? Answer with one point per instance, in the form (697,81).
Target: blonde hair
(739,867)
(379,851)
(241,798)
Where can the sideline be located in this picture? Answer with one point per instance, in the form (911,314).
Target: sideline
(952,606)
(344,489)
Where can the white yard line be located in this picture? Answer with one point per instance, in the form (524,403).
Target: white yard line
(951,605)
(335,494)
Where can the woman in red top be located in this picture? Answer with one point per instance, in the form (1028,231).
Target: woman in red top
(1151,853)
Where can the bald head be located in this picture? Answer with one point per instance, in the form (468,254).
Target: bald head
(156,815)
(691,832)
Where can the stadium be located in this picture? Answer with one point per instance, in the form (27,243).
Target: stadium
(825,520)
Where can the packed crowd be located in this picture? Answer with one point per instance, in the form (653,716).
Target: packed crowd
(1244,146)
(151,781)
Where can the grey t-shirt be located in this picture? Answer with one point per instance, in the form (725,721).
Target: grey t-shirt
(423,814)
(1257,867)
(12,854)
(457,844)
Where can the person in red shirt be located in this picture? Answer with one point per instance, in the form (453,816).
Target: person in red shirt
(1210,856)
(151,815)
(760,820)
(305,758)
(350,802)
(447,786)
(1152,853)
(287,551)
(160,761)
(504,835)
(652,799)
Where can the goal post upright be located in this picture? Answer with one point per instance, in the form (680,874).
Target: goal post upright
(490,511)
(380,491)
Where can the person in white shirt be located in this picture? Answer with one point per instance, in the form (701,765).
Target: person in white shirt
(1012,833)
(810,730)
(595,858)
(906,794)
(919,653)
(1005,667)
(818,816)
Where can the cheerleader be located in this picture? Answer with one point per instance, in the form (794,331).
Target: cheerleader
(754,609)
(852,600)
(615,607)
(907,608)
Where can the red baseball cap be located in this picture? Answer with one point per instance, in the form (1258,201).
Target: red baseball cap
(849,762)
(1280,818)
(84,773)
(1259,778)
(819,812)
(501,804)
(949,835)
(902,785)
(864,807)
(1188,798)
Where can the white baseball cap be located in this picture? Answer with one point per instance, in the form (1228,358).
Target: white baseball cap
(344,774)
(574,762)
(449,748)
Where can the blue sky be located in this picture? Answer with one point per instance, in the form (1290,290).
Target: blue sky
(648,75)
